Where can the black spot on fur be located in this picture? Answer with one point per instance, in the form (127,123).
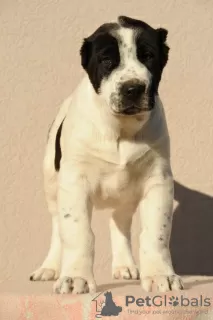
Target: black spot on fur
(69,280)
(58,148)
(67,215)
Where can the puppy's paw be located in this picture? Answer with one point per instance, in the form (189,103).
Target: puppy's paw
(127,273)
(44,274)
(76,285)
(162,283)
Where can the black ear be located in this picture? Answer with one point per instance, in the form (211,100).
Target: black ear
(164,49)
(162,34)
(130,22)
(85,53)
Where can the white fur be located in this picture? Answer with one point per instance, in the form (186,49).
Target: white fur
(117,162)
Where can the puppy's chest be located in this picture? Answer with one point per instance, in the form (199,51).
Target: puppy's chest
(122,177)
(130,153)
(123,154)
(121,186)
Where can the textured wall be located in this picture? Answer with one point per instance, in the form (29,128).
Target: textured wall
(39,67)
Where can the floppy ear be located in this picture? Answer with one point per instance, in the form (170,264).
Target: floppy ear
(85,53)
(162,34)
(130,22)
(164,49)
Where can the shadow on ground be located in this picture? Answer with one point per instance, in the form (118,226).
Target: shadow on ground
(192,236)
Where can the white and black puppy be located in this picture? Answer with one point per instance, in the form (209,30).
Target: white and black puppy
(109,148)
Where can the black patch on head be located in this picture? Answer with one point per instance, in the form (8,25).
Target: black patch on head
(152,50)
(100,54)
(58,148)
(164,49)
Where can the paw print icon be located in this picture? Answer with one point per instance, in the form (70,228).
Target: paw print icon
(174,301)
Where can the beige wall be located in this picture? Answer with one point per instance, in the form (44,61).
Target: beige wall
(39,67)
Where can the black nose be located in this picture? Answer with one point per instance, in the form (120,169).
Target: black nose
(133,91)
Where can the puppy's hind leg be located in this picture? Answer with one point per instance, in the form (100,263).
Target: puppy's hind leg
(49,270)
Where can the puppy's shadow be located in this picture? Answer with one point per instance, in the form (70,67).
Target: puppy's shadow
(114,285)
(192,237)
(196,283)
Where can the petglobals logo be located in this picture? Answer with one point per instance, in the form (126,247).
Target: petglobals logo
(165,301)
(106,306)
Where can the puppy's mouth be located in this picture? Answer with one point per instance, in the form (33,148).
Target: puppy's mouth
(123,107)
(131,110)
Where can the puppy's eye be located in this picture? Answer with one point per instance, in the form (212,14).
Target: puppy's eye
(146,56)
(106,63)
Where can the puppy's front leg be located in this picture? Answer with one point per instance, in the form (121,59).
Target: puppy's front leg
(123,265)
(75,211)
(156,211)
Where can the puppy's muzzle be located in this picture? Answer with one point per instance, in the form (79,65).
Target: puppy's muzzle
(131,94)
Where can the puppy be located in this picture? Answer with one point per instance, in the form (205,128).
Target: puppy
(109,148)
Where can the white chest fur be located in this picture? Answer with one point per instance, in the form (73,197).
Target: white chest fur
(130,151)
(120,181)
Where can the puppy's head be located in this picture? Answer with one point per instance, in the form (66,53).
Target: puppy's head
(124,62)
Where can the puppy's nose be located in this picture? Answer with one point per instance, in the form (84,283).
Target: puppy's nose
(133,91)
